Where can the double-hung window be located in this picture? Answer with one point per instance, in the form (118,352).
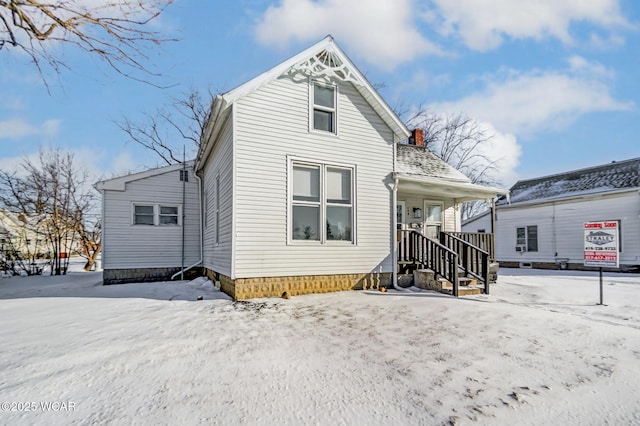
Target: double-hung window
(322,207)
(156,214)
(527,238)
(168,215)
(143,214)
(324,107)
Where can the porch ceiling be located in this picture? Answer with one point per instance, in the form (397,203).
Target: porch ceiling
(441,188)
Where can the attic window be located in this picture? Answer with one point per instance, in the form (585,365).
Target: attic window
(184,175)
(324,107)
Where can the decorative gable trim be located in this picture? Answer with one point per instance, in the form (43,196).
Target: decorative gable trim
(323,59)
(327,63)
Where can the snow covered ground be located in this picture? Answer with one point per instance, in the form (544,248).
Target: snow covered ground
(537,351)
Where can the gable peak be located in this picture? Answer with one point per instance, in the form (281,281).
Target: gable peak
(329,62)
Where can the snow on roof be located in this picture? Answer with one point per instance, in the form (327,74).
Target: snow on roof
(412,160)
(613,176)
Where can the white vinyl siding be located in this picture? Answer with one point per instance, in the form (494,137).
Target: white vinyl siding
(560,227)
(127,245)
(478,223)
(217,212)
(272,128)
(218,186)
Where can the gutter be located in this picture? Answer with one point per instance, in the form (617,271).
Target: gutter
(472,188)
(560,199)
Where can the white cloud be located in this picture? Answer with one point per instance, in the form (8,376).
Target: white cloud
(14,103)
(526,103)
(383,33)
(123,163)
(483,24)
(580,65)
(504,149)
(599,43)
(488,146)
(18,128)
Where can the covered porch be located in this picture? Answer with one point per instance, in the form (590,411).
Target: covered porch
(431,251)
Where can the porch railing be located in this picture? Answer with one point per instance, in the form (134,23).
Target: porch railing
(443,261)
(473,261)
(482,240)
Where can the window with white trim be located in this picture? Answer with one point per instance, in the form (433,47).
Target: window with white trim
(323,114)
(205,204)
(143,214)
(217,201)
(168,215)
(156,214)
(527,238)
(433,212)
(321,200)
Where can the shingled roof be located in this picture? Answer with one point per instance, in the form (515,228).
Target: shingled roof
(613,176)
(412,160)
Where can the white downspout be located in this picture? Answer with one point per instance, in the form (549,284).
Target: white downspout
(201,229)
(394,236)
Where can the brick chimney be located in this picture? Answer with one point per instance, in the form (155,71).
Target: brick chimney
(416,138)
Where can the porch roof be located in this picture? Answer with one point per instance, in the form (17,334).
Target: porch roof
(445,188)
(419,171)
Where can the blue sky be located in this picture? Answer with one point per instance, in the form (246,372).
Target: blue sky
(556,82)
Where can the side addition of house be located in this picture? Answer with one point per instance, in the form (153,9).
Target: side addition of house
(151,224)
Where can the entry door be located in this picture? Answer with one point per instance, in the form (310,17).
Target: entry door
(433,219)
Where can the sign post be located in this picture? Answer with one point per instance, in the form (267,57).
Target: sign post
(601,243)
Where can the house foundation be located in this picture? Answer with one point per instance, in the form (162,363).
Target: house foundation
(136,275)
(249,288)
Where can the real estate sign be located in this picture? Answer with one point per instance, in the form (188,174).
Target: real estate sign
(601,242)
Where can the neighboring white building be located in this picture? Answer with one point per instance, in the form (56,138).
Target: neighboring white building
(542,223)
(478,223)
(305,185)
(20,238)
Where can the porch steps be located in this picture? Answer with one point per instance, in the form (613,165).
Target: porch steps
(466,286)
(425,278)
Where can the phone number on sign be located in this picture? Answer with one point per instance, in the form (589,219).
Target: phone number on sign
(38,406)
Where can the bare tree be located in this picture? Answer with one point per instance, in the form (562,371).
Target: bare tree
(462,143)
(90,241)
(184,120)
(53,192)
(113,30)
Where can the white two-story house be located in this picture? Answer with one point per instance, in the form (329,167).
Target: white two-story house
(305,183)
